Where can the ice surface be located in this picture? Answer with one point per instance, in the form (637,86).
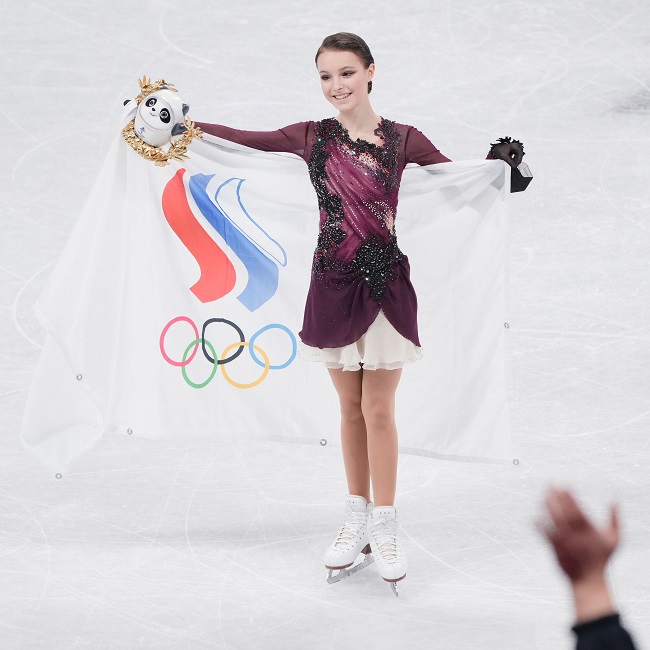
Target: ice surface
(161,545)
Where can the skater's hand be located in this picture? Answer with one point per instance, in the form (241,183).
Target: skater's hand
(582,551)
(512,151)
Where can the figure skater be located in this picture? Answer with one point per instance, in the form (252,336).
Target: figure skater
(360,317)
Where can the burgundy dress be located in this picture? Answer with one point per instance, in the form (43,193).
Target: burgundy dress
(358,268)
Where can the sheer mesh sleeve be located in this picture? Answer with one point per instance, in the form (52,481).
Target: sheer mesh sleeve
(291,139)
(419,149)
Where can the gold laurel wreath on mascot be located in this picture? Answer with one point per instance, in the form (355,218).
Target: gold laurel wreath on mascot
(158,155)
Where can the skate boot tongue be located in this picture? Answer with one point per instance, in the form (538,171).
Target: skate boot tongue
(385,512)
(356,503)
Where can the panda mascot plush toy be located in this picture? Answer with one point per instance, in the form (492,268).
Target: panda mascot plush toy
(158,117)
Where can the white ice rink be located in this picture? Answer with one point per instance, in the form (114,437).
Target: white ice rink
(219,545)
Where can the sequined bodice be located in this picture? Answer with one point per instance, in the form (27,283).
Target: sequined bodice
(357,184)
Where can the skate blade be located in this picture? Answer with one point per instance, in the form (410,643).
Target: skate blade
(346,573)
(393,584)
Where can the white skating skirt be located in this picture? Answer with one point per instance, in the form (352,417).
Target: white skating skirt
(382,347)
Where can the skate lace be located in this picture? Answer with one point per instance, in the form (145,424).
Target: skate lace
(354,522)
(384,534)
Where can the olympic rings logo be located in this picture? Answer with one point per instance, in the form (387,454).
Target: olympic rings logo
(229,354)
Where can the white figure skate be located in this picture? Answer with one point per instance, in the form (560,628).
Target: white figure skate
(350,542)
(382,534)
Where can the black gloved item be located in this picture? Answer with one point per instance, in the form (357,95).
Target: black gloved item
(512,151)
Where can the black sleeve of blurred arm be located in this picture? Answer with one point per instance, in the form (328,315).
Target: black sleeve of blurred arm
(604,633)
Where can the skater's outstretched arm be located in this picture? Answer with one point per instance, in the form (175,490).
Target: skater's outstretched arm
(290,139)
(419,149)
(583,551)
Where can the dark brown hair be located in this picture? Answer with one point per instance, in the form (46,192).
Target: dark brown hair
(347,42)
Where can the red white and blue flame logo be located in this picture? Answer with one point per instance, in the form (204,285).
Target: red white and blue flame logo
(222,207)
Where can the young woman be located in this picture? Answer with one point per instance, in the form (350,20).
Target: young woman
(361,311)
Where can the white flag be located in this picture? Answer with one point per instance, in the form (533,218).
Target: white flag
(175,308)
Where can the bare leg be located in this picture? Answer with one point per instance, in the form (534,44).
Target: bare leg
(378,408)
(353,431)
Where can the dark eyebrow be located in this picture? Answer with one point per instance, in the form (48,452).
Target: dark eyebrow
(351,67)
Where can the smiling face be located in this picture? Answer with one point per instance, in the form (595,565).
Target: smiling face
(344,79)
